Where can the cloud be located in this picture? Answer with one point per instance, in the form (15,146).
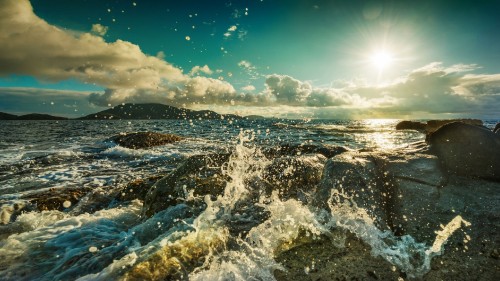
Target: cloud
(99,29)
(249,69)
(248,88)
(31,46)
(203,69)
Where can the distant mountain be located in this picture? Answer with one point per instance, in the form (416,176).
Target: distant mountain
(154,111)
(36,116)
(32,116)
(7,116)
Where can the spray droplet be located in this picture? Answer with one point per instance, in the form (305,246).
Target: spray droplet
(93,249)
(67,204)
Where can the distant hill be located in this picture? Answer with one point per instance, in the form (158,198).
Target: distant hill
(32,116)
(153,111)
(36,116)
(7,116)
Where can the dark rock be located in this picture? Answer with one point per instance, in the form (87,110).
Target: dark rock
(144,139)
(295,177)
(411,195)
(137,189)
(56,199)
(433,125)
(200,174)
(411,125)
(467,150)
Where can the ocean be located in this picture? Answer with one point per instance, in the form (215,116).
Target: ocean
(98,235)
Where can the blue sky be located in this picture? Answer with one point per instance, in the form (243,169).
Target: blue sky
(295,58)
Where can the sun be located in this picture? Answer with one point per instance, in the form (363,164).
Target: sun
(381,59)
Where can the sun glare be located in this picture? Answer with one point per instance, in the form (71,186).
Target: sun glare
(381,59)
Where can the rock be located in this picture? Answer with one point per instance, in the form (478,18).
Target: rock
(355,174)
(411,125)
(56,198)
(137,189)
(325,259)
(199,174)
(411,195)
(467,150)
(298,149)
(295,177)
(433,125)
(144,139)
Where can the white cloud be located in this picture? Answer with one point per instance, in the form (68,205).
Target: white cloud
(203,69)
(248,88)
(31,46)
(99,29)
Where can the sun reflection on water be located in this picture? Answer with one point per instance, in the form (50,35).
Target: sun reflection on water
(381,134)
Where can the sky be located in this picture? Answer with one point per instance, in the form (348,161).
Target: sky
(277,58)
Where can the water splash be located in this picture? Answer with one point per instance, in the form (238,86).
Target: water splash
(404,252)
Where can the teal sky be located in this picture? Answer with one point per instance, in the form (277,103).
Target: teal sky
(295,58)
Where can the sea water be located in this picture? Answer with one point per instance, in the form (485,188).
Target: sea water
(116,243)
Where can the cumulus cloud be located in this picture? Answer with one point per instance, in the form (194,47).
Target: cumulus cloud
(31,46)
(99,29)
(248,88)
(201,69)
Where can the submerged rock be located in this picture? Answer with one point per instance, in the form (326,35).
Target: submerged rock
(144,139)
(467,150)
(56,198)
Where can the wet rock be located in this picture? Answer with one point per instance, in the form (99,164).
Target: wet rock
(198,175)
(325,259)
(411,125)
(411,194)
(359,175)
(433,125)
(295,177)
(137,189)
(299,149)
(467,150)
(144,139)
(56,198)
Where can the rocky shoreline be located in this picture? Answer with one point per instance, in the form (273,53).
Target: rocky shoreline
(413,191)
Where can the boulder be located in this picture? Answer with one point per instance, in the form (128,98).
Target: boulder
(433,125)
(143,139)
(199,175)
(467,150)
(410,194)
(295,177)
(411,125)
